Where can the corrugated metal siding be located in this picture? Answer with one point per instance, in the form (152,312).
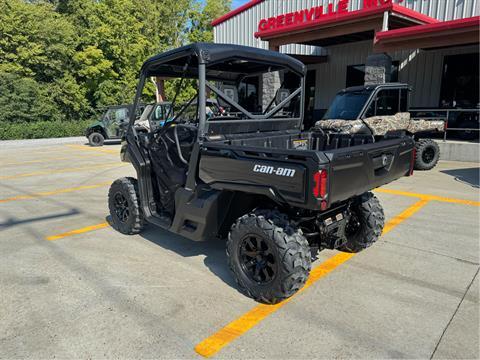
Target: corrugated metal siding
(420,69)
(331,76)
(241,28)
(423,70)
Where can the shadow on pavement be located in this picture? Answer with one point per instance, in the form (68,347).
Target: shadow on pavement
(469,176)
(13,222)
(106,143)
(213,250)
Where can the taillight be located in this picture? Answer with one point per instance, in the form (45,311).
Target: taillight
(445,128)
(320,184)
(412,161)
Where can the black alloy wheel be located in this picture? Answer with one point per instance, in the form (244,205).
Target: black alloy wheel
(428,155)
(121,207)
(365,224)
(257,259)
(123,203)
(268,255)
(353,225)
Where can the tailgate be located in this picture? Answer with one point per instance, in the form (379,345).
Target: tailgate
(355,170)
(252,171)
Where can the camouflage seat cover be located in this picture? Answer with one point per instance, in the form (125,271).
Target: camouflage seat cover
(381,125)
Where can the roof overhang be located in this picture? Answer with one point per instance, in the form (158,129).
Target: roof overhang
(343,27)
(430,36)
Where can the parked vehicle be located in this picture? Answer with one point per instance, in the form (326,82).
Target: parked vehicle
(462,122)
(276,193)
(383,110)
(114,122)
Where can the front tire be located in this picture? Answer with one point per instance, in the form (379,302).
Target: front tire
(96,139)
(124,206)
(365,224)
(269,257)
(427,154)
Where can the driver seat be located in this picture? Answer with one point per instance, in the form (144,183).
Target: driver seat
(170,168)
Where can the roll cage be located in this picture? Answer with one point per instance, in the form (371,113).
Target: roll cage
(209,63)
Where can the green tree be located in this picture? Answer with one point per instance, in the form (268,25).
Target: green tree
(37,47)
(202,17)
(60,59)
(22,99)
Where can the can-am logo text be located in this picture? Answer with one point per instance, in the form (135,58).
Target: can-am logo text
(265,169)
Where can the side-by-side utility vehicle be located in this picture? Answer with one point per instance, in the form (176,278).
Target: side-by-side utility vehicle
(249,174)
(383,110)
(114,122)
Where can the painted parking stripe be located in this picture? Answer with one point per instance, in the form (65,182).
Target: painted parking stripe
(47,160)
(54,192)
(214,343)
(96,149)
(60,171)
(429,197)
(78,231)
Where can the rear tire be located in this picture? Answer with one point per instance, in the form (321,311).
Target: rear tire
(96,139)
(427,154)
(365,225)
(124,206)
(269,257)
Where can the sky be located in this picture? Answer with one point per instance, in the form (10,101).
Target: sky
(237,3)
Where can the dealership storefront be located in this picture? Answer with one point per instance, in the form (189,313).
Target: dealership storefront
(431,44)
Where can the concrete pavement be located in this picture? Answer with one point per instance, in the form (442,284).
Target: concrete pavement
(101,294)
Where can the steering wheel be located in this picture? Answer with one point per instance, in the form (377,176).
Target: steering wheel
(190,128)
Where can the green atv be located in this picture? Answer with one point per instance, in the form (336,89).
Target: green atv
(114,121)
(112,125)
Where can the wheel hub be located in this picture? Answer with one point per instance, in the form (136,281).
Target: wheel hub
(428,155)
(121,207)
(257,259)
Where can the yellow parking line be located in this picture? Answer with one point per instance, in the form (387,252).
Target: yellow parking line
(78,231)
(97,149)
(429,197)
(404,215)
(53,192)
(45,160)
(60,171)
(213,344)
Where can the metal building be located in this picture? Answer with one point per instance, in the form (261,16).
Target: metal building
(433,44)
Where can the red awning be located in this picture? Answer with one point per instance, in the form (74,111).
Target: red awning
(428,36)
(347,18)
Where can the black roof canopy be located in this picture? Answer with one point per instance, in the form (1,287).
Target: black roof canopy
(223,61)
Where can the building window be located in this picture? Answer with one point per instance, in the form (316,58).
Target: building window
(388,102)
(460,81)
(356,74)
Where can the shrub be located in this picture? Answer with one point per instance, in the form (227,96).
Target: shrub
(42,129)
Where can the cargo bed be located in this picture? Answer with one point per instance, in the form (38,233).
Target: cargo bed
(283,166)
